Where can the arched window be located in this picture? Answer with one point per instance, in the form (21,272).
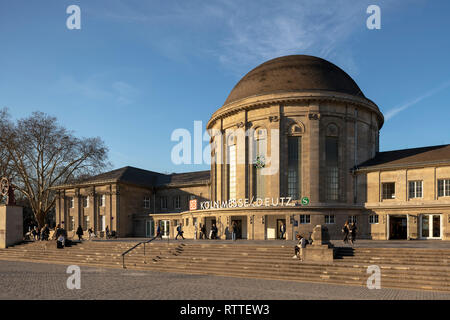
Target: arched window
(294,179)
(332,162)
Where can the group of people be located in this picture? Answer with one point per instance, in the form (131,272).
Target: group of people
(42,234)
(203,233)
(91,233)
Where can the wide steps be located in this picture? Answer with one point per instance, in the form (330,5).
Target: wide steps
(400,268)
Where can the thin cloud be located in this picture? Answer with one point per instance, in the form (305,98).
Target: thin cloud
(393,112)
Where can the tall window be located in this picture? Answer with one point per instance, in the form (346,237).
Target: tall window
(177,202)
(231,164)
(86,222)
(294,167)
(72,223)
(388,190)
(86,202)
(147,202)
(444,188)
(259,158)
(71,202)
(332,171)
(102,200)
(163,202)
(415,189)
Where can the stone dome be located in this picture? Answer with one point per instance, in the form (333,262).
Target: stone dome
(292,74)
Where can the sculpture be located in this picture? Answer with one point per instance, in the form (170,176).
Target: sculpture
(7,190)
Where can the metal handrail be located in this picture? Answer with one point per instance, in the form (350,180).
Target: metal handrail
(134,247)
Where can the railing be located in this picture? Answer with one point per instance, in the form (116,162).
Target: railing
(134,247)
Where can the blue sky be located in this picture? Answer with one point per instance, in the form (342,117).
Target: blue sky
(136,64)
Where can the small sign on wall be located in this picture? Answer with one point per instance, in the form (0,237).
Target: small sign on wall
(193,204)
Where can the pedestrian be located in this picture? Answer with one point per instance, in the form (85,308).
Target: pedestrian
(301,244)
(91,233)
(158,232)
(45,232)
(353,232)
(233,231)
(179,232)
(61,237)
(80,233)
(345,231)
(203,229)
(38,233)
(34,232)
(107,232)
(282,230)
(213,231)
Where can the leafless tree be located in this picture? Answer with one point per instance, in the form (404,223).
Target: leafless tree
(40,154)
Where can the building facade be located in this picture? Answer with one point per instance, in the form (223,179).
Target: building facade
(296,143)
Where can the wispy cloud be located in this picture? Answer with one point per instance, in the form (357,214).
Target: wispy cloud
(97,88)
(394,111)
(242,34)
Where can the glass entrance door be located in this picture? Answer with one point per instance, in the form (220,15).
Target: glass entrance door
(149,228)
(430,226)
(165,228)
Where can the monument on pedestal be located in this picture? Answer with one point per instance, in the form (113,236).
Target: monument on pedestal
(11,217)
(321,248)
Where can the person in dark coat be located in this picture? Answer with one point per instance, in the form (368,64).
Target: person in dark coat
(345,231)
(80,233)
(158,232)
(352,232)
(214,232)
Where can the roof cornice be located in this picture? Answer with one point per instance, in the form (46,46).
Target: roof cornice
(264,100)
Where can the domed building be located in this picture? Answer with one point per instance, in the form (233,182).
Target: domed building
(295,145)
(323,126)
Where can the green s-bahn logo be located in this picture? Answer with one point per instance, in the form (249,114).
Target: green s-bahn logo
(305,201)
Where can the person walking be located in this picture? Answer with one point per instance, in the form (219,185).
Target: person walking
(35,233)
(301,244)
(213,231)
(353,232)
(233,231)
(179,232)
(158,232)
(282,230)
(203,232)
(80,233)
(345,231)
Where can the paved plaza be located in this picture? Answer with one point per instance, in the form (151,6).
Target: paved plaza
(24,280)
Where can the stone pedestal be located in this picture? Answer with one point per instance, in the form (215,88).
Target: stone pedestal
(321,248)
(11,225)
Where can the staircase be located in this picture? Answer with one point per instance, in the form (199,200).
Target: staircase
(407,268)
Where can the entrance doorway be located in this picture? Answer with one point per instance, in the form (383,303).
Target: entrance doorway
(241,226)
(430,226)
(238,223)
(398,227)
(165,228)
(280,223)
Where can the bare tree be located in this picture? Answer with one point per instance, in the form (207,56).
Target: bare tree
(41,154)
